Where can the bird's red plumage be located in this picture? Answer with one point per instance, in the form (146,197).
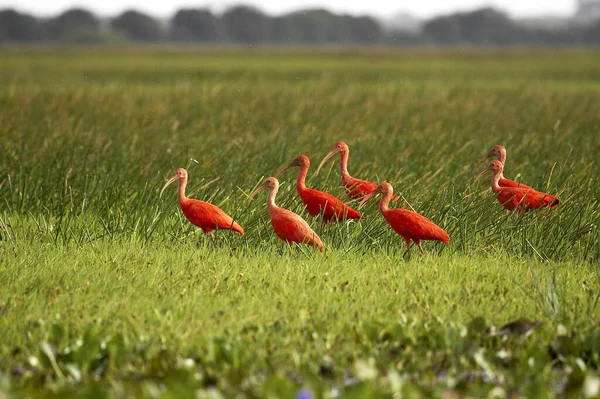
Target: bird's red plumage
(202,214)
(318,202)
(413,226)
(208,216)
(292,228)
(503,182)
(524,199)
(517,198)
(358,188)
(410,225)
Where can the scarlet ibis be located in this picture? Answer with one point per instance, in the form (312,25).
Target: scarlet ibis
(202,214)
(500,152)
(355,188)
(410,225)
(318,202)
(288,226)
(517,197)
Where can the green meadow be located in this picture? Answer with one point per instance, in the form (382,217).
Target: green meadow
(106,290)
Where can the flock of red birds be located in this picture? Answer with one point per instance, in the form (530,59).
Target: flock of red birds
(412,226)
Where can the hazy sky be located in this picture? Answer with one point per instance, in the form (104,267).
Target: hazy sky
(419,8)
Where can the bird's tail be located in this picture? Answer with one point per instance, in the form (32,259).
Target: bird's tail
(443,236)
(317,243)
(550,201)
(353,214)
(237,228)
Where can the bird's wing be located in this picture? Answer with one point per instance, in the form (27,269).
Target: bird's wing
(511,183)
(413,225)
(204,214)
(290,226)
(324,202)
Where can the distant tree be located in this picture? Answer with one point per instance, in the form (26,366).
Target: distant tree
(281,31)
(483,26)
(316,26)
(486,26)
(201,25)
(19,27)
(399,37)
(246,24)
(443,29)
(591,34)
(138,26)
(331,25)
(365,30)
(302,27)
(72,24)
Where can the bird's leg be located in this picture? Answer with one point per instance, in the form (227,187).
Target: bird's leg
(212,236)
(418,242)
(407,246)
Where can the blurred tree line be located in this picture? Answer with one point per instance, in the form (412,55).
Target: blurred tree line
(249,25)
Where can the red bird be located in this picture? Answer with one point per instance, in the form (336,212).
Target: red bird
(287,225)
(202,214)
(355,188)
(517,197)
(317,202)
(410,225)
(500,152)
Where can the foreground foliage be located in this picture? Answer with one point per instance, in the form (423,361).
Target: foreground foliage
(105,289)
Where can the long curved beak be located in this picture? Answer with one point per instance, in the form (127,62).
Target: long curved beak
(483,172)
(368,197)
(258,190)
(171,180)
(291,165)
(331,153)
(489,155)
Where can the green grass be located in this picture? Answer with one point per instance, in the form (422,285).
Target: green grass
(107,290)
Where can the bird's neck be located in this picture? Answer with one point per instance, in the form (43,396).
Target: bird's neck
(385,202)
(271,198)
(181,191)
(495,180)
(301,180)
(344,166)
(502,157)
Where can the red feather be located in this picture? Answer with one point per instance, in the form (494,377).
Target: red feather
(317,202)
(413,226)
(208,216)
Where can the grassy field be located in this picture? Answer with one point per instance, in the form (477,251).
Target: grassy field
(107,291)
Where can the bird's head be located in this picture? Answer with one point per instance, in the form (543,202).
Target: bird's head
(382,188)
(340,147)
(301,161)
(495,167)
(270,183)
(179,175)
(497,151)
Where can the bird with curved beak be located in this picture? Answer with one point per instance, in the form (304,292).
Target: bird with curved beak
(355,188)
(410,225)
(516,198)
(500,152)
(318,202)
(288,226)
(202,214)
